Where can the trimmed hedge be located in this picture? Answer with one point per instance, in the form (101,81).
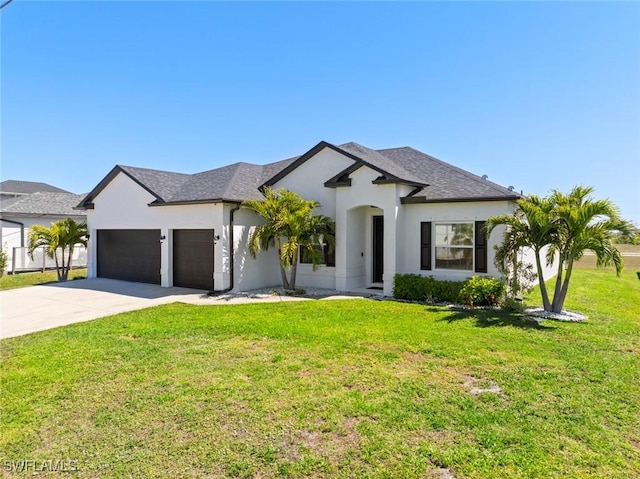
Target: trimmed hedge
(415,287)
(475,291)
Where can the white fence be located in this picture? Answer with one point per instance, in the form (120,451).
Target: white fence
(22,260)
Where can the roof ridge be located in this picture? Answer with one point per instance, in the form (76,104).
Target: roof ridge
(229,186)
(236,164)
(153,169)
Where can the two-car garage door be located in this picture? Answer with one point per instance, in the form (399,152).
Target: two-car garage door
(134,255)
(130,255)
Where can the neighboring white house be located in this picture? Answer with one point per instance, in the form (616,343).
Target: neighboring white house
(396,211)
(27,203)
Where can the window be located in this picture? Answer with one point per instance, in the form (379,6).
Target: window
(329,258)
(454,246)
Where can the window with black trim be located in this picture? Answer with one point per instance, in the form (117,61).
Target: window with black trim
(459,246)
(454,246)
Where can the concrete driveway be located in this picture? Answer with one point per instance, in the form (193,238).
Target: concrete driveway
(37,308)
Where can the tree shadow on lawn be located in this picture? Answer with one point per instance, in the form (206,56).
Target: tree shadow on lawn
(487,318)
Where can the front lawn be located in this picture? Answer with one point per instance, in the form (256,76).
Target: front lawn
(21,280)
(353,388)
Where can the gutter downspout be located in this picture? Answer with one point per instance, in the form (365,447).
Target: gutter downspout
(231,255)
(21,229)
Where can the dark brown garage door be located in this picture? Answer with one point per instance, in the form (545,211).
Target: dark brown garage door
(129,255)
(193,259)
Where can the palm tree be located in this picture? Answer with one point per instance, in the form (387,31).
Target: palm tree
(567,225)
(531,226)
(584,224)
(290,226)
(64,235)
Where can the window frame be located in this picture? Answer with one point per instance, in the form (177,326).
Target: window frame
(436,245)
(480,242)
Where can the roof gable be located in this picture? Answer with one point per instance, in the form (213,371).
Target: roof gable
(158,183)
(390,172)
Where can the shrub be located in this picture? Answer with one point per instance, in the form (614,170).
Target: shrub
(447,291)
(415,287)
(409,286)
(512,305)
(4,257)
(481,291)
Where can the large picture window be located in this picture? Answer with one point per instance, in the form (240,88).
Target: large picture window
(454,246)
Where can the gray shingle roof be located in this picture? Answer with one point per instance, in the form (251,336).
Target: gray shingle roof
(437,180)
(445,181)
(380,161)
(28,187)
(43,203)
(235,182)
(162,184)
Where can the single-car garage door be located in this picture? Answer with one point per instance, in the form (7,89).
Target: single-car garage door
(129,255)
(193,259)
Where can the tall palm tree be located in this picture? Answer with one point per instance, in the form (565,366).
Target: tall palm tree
(532,225)
(64,235)
(567,226)
(584,224)
(290,226)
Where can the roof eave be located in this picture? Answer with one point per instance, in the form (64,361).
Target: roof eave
(194,202)
(392,180)
(86,206)
(20,214)
(337,184)
(408,200)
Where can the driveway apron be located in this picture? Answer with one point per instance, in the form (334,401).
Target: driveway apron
(36,308)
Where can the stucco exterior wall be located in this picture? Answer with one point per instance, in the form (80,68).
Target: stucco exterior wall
(463,212)
(548,270)
(250,273)
(309,178)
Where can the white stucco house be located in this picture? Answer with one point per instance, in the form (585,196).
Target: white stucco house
(27,203)
(396,210)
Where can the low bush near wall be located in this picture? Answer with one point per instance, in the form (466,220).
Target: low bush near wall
(481,291)
(415,287)
(476,291)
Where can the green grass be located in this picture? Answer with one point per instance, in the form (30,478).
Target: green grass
(352,388)
(21,280)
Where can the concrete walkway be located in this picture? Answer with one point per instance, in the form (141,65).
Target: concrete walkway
(36,308)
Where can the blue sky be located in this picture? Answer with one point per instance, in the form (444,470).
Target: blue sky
(535,95)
